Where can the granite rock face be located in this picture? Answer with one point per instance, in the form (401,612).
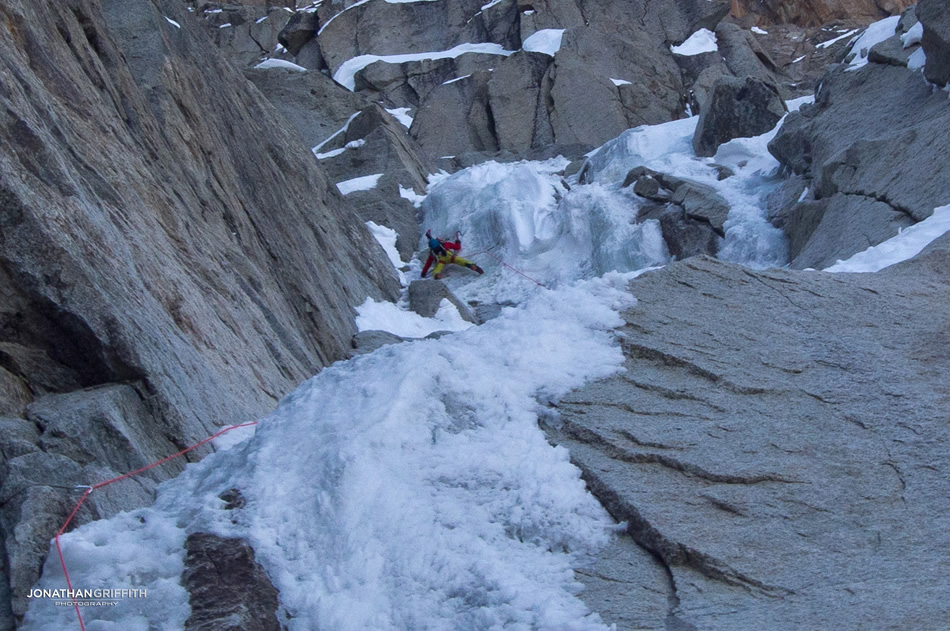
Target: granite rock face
(873,137)
(161,227)
(776,441)
(354,137)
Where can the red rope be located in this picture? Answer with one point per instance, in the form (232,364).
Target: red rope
(517,271)
(90,489)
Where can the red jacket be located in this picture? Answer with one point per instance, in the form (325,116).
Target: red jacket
(448,245)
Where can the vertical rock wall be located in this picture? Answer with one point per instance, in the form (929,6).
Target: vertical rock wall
(160,227)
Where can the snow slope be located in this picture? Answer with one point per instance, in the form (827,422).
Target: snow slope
(410,488)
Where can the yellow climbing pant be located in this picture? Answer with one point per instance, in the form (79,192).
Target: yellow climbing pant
(449,258)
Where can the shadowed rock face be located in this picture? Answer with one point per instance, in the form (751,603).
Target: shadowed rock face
(737,108)
(160,226)
(777,442)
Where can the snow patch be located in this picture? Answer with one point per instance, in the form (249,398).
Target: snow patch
(757,30)
(874,34)
(702,41)
(363,183)
(456,79)
(547,41)
(387,239)
(172,22)
(906,245)
(412,196)
(918,59)
(620,82)
(347,71)
(386,316)
(341,130)
(832,42)
(280,63)
(913,36)
(401,114)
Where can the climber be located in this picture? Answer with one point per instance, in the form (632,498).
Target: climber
(442,252)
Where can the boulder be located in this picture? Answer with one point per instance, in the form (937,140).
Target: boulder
(426,295)
(891,51)
(310,57)
(702,203)
(369,341)
(738,108)
(691,215)
(87,436)
(227,588)
(685,236)
(934,16)
(299,30)
(786,481)
(17,437)
(745,56)
(834,228)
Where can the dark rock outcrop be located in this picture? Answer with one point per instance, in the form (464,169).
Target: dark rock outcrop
(300,29)
(737,108)
(162,228)
(875,134)
(228,590)
(426,295)
(935,17)
(789,480)
(691,214)
(369,341)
